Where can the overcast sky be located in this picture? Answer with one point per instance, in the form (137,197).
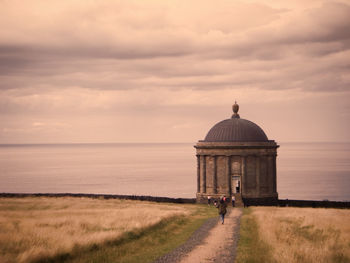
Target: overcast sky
(167,71)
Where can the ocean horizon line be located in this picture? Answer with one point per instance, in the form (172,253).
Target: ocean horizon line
(90,143)
(148,143)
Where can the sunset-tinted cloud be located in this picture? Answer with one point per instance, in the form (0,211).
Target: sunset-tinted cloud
(102,68)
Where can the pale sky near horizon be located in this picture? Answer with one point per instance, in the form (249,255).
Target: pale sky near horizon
(167,71)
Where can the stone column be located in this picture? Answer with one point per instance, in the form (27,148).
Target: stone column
(257,174)
(274,173)
(228,174)
(243,181)
(198,174)
(215,177)
(270,172)
(204,174)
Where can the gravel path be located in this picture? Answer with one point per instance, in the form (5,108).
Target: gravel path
(212,242)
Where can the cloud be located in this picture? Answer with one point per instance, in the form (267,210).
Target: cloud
(118,60)
(133,45)
(126,30)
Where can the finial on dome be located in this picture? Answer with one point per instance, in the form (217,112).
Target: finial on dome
(235,108)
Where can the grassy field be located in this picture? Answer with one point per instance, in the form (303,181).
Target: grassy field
(93,230)
(251,248)
(274,234)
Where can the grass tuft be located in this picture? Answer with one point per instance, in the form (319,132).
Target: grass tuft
(251,249)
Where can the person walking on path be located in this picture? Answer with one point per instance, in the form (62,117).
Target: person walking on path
(219,245)
(233,201)
(209,199)
(222,210)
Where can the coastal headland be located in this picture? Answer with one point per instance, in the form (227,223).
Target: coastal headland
(119,228)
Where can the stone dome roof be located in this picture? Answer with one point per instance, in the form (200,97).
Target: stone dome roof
(236,130)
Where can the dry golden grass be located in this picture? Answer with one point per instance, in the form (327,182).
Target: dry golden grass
(32,228)
(305,234)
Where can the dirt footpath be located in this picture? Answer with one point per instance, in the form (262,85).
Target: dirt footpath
(220,244)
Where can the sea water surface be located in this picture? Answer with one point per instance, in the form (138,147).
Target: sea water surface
(308,171)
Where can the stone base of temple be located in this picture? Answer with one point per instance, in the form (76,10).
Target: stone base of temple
(263,201)
(271,200)
(202,198)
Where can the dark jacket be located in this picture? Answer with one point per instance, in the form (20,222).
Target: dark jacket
(222,208)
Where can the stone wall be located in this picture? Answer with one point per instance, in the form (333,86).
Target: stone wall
(283,203)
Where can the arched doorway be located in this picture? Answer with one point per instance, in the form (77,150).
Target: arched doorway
(236,176)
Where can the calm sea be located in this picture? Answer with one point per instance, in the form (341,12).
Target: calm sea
(312,171)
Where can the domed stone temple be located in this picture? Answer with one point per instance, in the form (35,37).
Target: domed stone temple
(237,159)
